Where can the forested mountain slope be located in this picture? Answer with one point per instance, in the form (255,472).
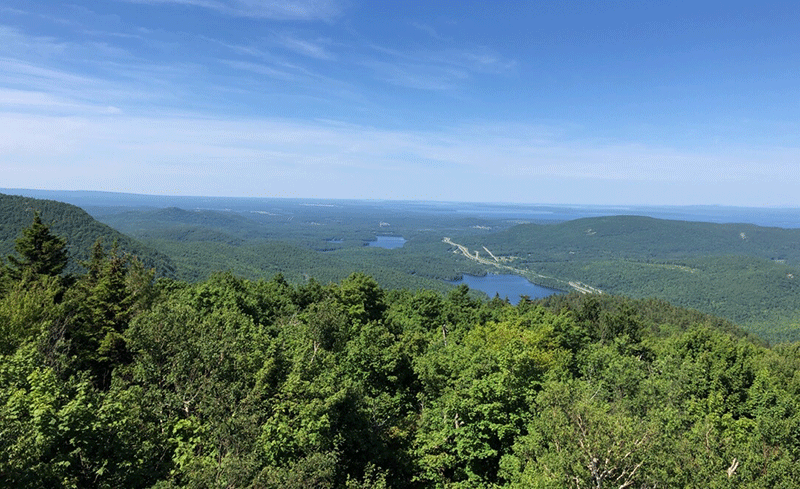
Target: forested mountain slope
(746,273)
(187,225)
(74,224)
(643,238)
(110,379)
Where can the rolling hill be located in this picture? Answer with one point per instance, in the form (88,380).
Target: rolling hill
(77,226)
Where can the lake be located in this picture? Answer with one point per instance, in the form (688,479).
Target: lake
(511,286)
(388,242)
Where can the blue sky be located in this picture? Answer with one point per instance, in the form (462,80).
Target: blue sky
(579,102)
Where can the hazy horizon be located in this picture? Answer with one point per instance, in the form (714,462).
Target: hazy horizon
(31,192)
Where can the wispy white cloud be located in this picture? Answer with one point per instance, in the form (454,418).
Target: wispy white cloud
(307,10)
(111,34)
(87,74)
(430,69)
(14,43)
(14,11)
(267,156)
(137,86)
(92,76)
(427,29)
(313,49)
(260,69)
(427,76)
(478,60)
(25,100)
(15,72)
(240,49)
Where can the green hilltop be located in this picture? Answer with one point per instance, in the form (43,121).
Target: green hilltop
(78,228)
(643,238)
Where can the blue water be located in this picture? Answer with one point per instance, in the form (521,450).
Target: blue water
(506,286)
(388,242)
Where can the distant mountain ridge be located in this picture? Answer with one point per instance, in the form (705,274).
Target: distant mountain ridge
(640,237)
(79,228)
(104,202)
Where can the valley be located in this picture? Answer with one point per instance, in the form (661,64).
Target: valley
(741,271)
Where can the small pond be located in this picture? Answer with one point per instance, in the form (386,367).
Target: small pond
(388,242)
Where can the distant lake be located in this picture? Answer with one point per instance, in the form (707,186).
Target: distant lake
(388,242)
(511,286)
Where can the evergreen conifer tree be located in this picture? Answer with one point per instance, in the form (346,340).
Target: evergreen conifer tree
(40,251)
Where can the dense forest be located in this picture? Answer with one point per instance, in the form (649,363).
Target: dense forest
(111,377)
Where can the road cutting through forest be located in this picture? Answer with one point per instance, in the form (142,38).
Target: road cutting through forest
(497,262)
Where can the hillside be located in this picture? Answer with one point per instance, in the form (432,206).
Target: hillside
(643,238)
(74,224)
(746,273)
(187,225)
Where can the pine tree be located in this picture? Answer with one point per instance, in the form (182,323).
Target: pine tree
(40,252)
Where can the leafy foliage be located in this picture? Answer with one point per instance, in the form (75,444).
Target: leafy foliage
(114,379)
